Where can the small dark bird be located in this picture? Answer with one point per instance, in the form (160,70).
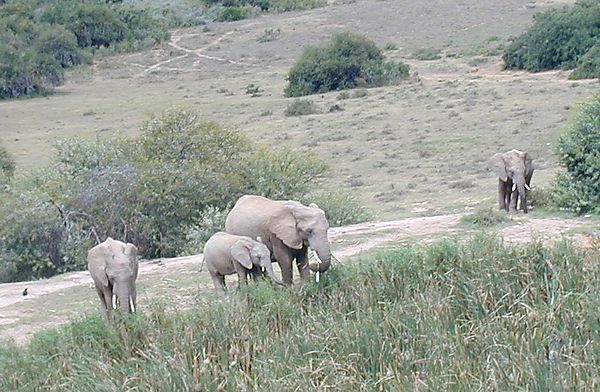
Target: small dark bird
(25,292)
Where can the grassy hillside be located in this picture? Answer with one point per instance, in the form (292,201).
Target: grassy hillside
(448,316)
(416,148)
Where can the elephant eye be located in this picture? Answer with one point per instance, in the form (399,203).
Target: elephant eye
(309,231)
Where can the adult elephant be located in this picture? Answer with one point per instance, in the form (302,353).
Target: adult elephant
(287,228)
(114,269)
(514,169)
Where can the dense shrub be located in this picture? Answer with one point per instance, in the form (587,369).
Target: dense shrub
(485,217)
(341,207)
(347,62)
(38,39)
(173,183)
(578,187)
(301,107)
(7,165)
(588,66)
(231,14)
(559,38)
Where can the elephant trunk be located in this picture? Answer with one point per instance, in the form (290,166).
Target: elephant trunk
(520,182)
(123,295)
(323,253)
(271,274)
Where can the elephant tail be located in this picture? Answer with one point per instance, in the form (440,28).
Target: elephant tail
(202,263)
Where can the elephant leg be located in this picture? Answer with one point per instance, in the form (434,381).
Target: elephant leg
(242,274)
(107,293)
(219,282)
(284,257)
(302,264)
(502,195)
(514,198)
(103,305)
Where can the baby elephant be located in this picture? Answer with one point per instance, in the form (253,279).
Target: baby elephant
(114,268)
(227,254)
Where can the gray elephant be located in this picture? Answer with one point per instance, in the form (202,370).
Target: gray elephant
(287,228)
(114,268)
(514,169)
(227,254)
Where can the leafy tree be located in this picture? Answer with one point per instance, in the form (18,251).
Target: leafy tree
(578,187)
(347,62)
(559,38)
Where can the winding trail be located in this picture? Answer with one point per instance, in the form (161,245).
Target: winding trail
(347,241)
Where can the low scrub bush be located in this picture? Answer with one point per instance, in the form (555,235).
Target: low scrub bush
(577,188)
(486,217)
(588,67)
(177,179)
(454,315)
(301,107)
(348,61)
(543,198)
(427,54)
(341,207)
(559,38)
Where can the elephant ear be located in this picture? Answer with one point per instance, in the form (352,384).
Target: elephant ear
(131,252)
(240,251)
(283,225)
(497,164)
(97,258)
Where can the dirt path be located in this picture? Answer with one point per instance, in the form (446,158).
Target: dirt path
(48,294)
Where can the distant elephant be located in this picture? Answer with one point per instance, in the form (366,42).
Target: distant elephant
(514,169)
(114,268)
(227,254)
(287,228)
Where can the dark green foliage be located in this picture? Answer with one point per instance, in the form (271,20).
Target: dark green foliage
(347,62)
(588,66)
(578,187)
(153,191)
(38,39)
(231,14)
(559,38)
(454,315)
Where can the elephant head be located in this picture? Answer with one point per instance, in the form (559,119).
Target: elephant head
(254,254)
(514,167)
(114,268)
(297,225)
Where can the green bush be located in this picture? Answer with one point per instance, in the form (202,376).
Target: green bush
(578,187)
(347,62)
(427,54)
(231,14)
(7,165)
(559,38)
(588,66)
(172,184)
(543,198)
(301,107)
(458,315)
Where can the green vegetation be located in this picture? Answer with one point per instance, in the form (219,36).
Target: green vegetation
(301,107)
(348,61)
(447,316)
(486,217)
(39,39)
(427,54)
(578,187)
(559,38)
(172,185)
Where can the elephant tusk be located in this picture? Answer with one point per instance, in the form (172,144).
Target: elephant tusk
(114,301)
(317,276)
(336,259)
(514,187)
(527,187)
(317,257)
(131,305)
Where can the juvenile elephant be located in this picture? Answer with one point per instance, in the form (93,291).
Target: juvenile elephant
(287,228)
(227,254)
(514,169)
(114,268)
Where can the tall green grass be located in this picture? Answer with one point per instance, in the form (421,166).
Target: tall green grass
(480,315)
